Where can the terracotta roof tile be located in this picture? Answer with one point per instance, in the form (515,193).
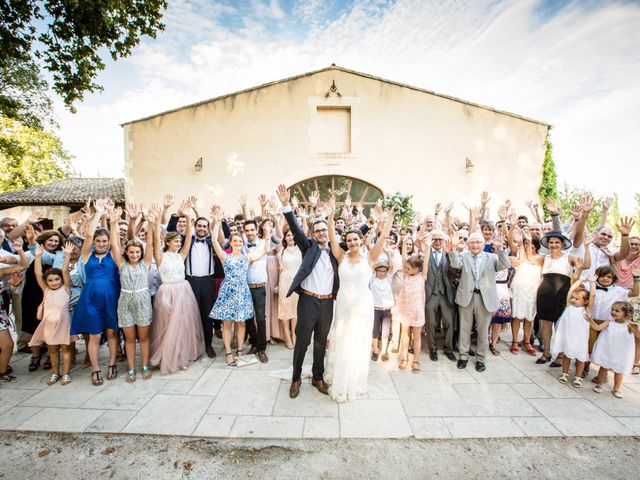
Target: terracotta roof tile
(71,191)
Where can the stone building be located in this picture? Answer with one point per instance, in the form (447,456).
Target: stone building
(334,129)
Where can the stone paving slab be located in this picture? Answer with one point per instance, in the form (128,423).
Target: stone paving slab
(513,398)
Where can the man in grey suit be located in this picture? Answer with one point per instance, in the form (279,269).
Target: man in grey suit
(477,293)
(440,296)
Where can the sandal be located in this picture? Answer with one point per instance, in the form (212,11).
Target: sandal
(635,370)
(493,350)
(96,378)
(555,364)
(597,388)
(6,377)
(415,367)
(542,360)
(577,382)
(132,375)
(514,348)
(239,352)
(403,364)
(47,364)
(564,378)
(53,379)
(233,362)
(113,372)
(617,393)
(146,372)
(66,379)
(35,363)
(529,349)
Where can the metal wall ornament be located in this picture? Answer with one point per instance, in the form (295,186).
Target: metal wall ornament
(333,89)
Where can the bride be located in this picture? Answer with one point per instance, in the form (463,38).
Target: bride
(350,338)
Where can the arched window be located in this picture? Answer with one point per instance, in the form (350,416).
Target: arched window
(359,190)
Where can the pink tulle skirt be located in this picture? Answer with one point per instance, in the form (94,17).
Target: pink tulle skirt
(176,331)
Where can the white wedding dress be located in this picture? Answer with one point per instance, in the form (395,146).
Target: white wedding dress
(350,339)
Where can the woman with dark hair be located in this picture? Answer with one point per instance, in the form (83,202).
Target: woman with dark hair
(551,297)
(96,309)
(32,296)
(290,261)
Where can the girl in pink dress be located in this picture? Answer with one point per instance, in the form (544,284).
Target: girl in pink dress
(55,322)
(410,303)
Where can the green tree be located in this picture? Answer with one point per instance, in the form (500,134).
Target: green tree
(30,156)
(68,37)
(549,184)
(568,197)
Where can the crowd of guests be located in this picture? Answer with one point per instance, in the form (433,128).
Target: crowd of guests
(168,278)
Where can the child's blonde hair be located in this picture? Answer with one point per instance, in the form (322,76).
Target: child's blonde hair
(626,308)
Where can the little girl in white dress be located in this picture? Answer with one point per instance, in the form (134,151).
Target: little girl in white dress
(615,347)
(571,336)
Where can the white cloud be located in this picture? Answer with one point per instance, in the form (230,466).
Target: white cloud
(576,69)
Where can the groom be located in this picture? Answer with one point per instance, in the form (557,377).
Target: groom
(316,283)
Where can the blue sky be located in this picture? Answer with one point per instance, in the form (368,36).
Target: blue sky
(573,64)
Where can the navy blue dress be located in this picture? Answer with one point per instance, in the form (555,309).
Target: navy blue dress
(98,303)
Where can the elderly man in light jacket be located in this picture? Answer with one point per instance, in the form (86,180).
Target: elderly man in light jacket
(476,293)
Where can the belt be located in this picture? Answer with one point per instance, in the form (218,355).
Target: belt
(135,291)
(257,285)
(315,295)
(476,290)
(380,309)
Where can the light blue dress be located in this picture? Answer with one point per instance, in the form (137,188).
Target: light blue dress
(234,300)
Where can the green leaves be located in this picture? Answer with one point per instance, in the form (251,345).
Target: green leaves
(406,213)
(29,156)
(72,35)
(549,184)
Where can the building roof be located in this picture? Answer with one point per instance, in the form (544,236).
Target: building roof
(341,69)
(71,191)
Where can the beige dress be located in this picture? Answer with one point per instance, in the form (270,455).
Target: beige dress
(290,261)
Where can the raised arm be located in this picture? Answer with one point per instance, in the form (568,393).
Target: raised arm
(154,230)
(266,244)
(114,237)
(23,263)
(298,235)
(19,231)
(37,268)
(99,206)
(606,205)
(586,205)
(376,251)
(330,209)
(624,227)
(533,208)
(167,202)
(187,206)
(216,220)
(148,251)
(66,277)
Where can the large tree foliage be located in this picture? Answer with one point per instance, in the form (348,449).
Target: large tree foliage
(67,37)
(30,156)
(568,197)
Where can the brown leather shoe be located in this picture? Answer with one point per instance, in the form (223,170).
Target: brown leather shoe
(253,350)
(262,356)
(294,389)
(320,385)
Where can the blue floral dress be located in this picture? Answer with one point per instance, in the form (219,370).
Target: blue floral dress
(234,299)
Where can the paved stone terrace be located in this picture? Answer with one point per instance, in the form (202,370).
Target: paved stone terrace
(513,398)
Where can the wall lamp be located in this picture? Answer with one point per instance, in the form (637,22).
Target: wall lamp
(468,166)
(198,165)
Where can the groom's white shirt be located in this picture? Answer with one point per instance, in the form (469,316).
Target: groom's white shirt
(320,280)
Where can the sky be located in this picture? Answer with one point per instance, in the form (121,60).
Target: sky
(573,64)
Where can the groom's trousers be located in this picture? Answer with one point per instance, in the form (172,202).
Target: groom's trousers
(314,318)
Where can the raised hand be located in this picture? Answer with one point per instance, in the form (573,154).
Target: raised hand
(68,248)
(313,198)
(448,208)
(484,199)
(39,250)
(133,210)
(517,235)
(17,244)
(589,239)
(625,225)
(262,198)
(330,206)
(575,211)
(579,263)
(283,194)
(359,208)
(30,234)
(185,207)
(347,202)
(243,200)
(216,214)
(87,206)
(99,205)
(607,202)
(586,203)
(503,211)
(498,242)
(592,278)
(167,201)
(438,208)
(35,217)
(109,205)
(552,206)
(295,202)
(529,203)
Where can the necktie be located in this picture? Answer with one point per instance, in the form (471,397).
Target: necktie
(598,287)
(476,269)
(436,257)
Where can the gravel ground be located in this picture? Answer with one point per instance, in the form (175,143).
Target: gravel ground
(91,456)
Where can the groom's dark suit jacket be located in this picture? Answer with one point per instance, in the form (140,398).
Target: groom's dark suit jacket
(311,252)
